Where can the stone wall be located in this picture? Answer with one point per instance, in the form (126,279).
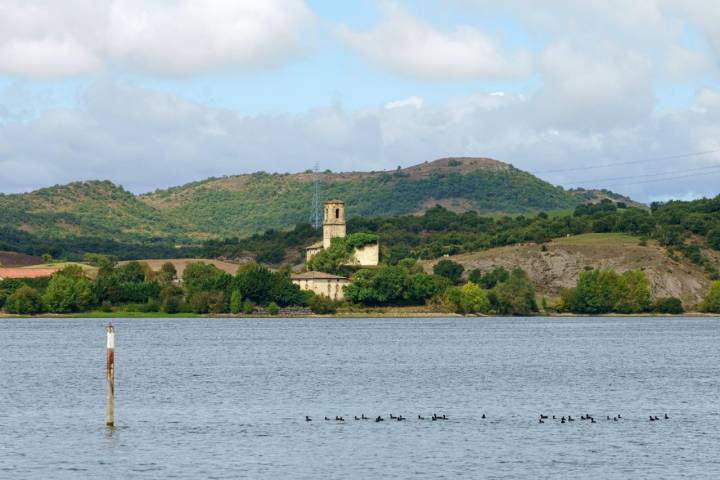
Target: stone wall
(330,287)
(366,256)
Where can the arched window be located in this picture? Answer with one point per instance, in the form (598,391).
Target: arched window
(337,213)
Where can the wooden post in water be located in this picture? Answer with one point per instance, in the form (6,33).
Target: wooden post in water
(110,395)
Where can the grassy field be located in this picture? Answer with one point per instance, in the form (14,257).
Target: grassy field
(598,238)
(181,263)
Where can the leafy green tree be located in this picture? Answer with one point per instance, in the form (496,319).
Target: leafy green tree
(67,293)
(105,263)
(605,291)
(475,276)
(170,298)
(493,277)
(248,307)
(597,291)
(399,284)
(411,266)
(670,305)
(421,287)
(516,296)
(469,298)
(382,286)
(633,293)
(130,272)
(203,277)
(449,269)
(273,253)
(273,308)
(260,285)
(235,302)
(171,304)
(167,273)
(208,302)
(711,303)
(332,258)
(72,271)
(24,301)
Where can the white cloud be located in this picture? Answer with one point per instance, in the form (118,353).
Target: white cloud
(194,35)
(46,39)
(406,45)
(144,140)
(415,102)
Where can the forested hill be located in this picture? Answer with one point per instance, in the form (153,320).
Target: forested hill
(100,212)
(250,203)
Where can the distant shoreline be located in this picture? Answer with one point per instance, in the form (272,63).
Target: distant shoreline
(143,315)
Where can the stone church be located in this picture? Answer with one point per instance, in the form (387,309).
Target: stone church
(334,226)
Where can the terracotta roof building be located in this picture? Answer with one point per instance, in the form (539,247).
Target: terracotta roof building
(321,283)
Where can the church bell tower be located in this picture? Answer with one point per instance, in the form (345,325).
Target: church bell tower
(333,221)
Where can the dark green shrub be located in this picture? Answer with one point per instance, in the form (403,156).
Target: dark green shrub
(671,305)
(449,269)
(24,301)
(711,303)
(247,307)
(235,302)
(172,304)
(322,305)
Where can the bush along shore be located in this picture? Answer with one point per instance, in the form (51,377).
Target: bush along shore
(403,289)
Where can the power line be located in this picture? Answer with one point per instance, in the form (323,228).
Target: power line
(647,160)
(647,175)
(661,179)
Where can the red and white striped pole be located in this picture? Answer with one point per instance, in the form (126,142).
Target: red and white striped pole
(110,395)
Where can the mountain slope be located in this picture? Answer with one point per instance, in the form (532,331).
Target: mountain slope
(557,264)
(96,208)
(245,204)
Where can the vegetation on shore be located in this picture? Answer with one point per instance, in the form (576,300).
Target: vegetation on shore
(133,289)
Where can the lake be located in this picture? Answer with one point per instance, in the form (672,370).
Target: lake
(227,398)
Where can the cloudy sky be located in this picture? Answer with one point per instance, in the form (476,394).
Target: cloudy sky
(623,94)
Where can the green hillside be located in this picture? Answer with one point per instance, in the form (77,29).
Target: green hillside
(244,204)
(99,212)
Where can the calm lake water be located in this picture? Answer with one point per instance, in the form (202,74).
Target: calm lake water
(226,398)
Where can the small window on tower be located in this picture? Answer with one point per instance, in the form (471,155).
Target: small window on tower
(337,213)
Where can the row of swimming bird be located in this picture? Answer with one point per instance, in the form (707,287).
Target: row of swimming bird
(655,418)
(379,418)
(592,419)
(435,417)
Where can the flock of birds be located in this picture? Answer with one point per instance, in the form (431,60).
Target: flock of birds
(591,419)
(436,417)
(398,418)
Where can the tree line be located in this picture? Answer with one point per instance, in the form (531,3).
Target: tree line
(134,286)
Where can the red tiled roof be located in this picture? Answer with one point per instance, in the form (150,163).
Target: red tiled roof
(26,272)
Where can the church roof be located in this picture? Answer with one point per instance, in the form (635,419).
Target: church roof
(316,276)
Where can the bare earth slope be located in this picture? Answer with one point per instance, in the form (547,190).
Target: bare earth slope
(559,266)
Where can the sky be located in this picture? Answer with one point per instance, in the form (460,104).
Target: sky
(617,94)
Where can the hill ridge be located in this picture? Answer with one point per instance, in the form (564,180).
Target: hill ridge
(243,204)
